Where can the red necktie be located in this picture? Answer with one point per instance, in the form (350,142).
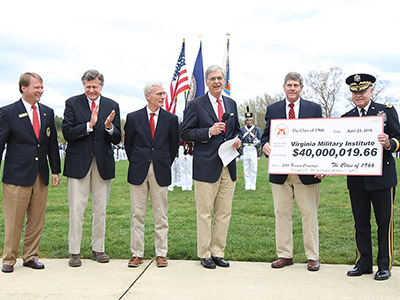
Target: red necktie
(291,111)
(151,121)
(35,122)
(92,109)
(220,110)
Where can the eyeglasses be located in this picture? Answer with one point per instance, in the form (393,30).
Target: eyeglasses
(219,78)
(159,94)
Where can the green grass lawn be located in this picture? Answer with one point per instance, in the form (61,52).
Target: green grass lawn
(251,234)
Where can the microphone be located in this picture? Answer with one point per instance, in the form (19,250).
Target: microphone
(225,117)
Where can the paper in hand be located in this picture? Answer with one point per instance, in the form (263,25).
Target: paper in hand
(226,152)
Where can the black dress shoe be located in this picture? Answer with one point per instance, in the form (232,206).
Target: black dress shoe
(382,275)
(220,261)
(208,263)
(7,268)
(358,272)
(34,264)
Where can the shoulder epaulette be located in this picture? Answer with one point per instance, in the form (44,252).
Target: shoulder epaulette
(389,106)
(344,114)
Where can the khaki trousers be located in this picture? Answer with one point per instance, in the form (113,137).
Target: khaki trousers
(307,198)
(139,199)
(217,196)
(18,201)
(78,196)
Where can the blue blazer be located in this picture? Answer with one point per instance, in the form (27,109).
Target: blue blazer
(198,118)
(81,145)
(25,154)
(392,128)
(277,110)
(141,148)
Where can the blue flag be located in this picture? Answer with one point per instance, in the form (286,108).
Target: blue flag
(197,81)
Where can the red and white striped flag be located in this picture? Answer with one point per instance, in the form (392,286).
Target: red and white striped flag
(179,83)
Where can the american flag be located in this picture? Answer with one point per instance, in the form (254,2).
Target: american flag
(179,83)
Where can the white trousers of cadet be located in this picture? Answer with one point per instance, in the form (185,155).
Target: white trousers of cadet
(175,174)
(185,170)
(250,163)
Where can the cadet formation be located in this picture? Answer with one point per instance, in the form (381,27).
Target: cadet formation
(164,153)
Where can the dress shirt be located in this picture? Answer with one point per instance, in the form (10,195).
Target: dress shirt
(296,108)
(88,129)
(29,110)
(155,118)
(365,108)
(214,103)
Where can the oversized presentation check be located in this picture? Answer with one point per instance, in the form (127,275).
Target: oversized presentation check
(337,146)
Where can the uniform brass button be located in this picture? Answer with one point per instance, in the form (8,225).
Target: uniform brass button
(36,158)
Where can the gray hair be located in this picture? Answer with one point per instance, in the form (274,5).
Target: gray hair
(294,76)
(149,86)
(92,75)
(212,69)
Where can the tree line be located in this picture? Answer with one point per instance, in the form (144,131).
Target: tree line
(326,88)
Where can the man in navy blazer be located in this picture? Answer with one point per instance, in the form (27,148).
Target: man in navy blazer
(286,188)
(379,190)
(151,144)
(91,125)
(27,127)
(214,183)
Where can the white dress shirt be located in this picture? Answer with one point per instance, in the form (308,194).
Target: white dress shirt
(296,108)
(29,110)
(214,103)
(155,118)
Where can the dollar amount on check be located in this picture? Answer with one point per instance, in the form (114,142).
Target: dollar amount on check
(337,146)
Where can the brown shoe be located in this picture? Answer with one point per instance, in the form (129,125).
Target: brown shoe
(313,265)
(34,264)
(281,262)
(161,261)
(100,257)
(7,268)
(75,260)
(135,262)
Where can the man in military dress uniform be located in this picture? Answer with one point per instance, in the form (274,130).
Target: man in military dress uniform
(251,138)
(379,190)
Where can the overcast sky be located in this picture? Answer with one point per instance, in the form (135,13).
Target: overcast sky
(132,43)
